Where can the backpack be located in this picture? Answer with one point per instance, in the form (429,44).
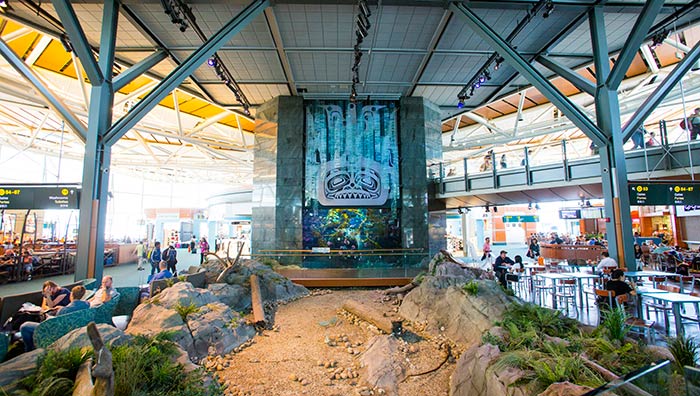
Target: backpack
(682,124)
(171,257)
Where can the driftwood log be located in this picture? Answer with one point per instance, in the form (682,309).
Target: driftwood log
(402,289)
(103,371)
(610,376)
(256,301)
(228,263)
(369,314)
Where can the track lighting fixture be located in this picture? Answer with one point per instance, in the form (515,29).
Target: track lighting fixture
(362,25)
(460,103)
(537,206)
(460,211)
(548,9)
(212,62)
(495,209)
(3,3)
(488,209)
(529,206)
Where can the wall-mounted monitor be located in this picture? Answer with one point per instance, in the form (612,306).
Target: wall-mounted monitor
(569,214)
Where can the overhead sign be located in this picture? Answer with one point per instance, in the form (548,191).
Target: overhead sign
(521,219)
(569,214)
(33,197)
(664,193)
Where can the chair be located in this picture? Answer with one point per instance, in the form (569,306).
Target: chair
(4,345)
(539,287)
(566,293)
(52,329)
(128,301)
(696,318)
(647,326)
(660,306)
(599,284)
(104,312)
(518,281)
(657,280)
(90,283)
(688,281)
(605,294)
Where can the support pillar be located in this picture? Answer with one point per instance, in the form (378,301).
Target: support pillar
(420,145)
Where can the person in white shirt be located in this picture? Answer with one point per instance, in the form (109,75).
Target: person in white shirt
(606,262)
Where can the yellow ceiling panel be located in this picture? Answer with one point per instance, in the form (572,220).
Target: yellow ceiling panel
(207,111)
(135,84)
(10,26)
(55,58)
(167,102)
(192,105)
(22,46)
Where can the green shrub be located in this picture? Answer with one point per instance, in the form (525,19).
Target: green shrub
(684,351)
(186,310)
(542,320)
(614,323)
(471,287)
(55,374)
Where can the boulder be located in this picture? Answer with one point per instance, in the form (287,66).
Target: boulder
(565,389)
(152,318)
(217,330)
(382,364)
(475,375)
(441,303)
(78,338)
(659,353)
(273,286)
(235,296)
(184,294)
(15,369)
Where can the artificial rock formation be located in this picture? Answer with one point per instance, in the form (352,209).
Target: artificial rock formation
(382,364)
(446,308)
(474,375)
(208,327)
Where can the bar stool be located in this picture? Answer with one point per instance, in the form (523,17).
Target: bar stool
(657,280)
(518,281)
(696,318)
(687,281)
(566,293)
(598,283)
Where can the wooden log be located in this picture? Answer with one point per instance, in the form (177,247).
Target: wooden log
(401,289)
(368,314)
(256,300)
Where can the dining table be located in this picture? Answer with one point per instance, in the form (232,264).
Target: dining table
(676,300)
(580,276)
(553,277)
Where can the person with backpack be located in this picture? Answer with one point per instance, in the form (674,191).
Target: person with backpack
(154,257)
(204,248)
(694,127)
(170,257)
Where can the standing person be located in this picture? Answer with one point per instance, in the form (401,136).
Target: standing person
(170,257)
(504,162)
(637,138)
(486,165)
(154,257)
(141,253)
(487,248)
(204,247)
(533,250)
(193,245)
(694,124)
(652,142)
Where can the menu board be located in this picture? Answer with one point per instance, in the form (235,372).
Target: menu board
(664,194)
(33,197)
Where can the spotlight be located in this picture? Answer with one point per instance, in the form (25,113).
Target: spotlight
(487,209)
(3,3)
(212,62)
(361,19)
(495,209)
(588,204)
(537,206)
(477,84)
(65,42)
(459,210)
(487,74)
(471,92)
(361,30)
(482,79)
(460,104)
(529,206)
(364,9)
(548,9)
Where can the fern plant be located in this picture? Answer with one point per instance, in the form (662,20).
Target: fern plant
(186,310)
(471,287)
(615,324)
(56,371)
(685,352)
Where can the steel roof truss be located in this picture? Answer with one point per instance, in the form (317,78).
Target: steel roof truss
(535,78)
(569,75)
(138,69)
(78,40)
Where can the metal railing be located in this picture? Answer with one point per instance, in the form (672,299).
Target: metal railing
(355,259)
(653,380)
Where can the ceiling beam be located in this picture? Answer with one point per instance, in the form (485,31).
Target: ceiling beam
(516,61)
(568,74)
(138,69)
(78,40)
(432,46)
(279,46)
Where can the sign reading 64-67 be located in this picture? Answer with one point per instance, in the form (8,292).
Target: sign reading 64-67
(39,197)
(664,193)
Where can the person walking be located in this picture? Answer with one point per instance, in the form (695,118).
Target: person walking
(155,257)
(141,253)
(170,257)
(193,245)
(694,124)
(204,247)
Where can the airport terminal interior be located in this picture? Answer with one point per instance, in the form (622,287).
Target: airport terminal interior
(350,197)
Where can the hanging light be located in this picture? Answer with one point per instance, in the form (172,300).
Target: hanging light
(212,61)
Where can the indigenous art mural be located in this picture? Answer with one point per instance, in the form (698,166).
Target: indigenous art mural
(352,198)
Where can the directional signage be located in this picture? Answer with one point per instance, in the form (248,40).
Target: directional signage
(32,197)
(664,193)
(521,219)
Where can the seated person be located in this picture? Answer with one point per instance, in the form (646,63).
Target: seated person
(104,293)
(163,274)
(683,268)
(7,261)
(76,304)
(501,265)
(619,286)
(605,263)
(54,297)
(28,262)
(518,265)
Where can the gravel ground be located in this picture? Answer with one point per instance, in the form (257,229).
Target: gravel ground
(315,349)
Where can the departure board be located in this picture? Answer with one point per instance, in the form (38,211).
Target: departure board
(33,197)
(664,194)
